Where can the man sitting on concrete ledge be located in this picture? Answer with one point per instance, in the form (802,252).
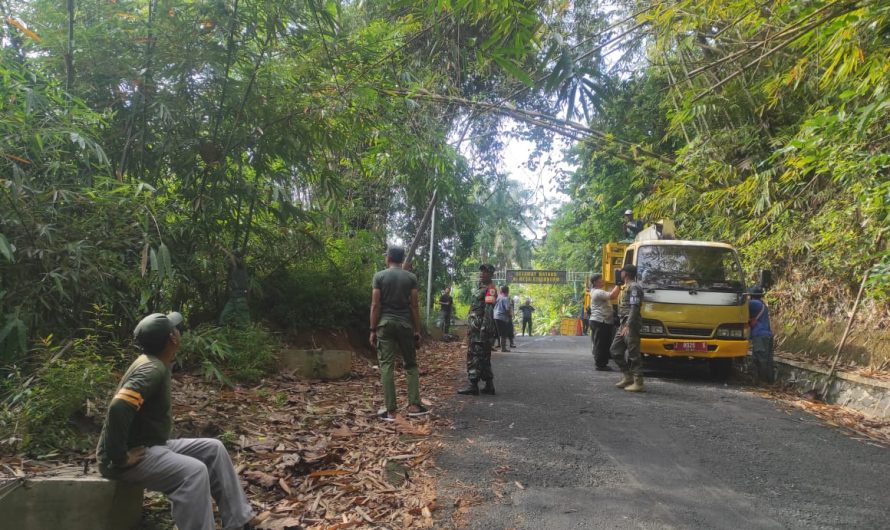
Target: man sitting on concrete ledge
(135,447)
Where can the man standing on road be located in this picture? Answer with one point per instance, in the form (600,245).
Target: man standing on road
(503,317)
(446,305)
(761,336)
(480,330)
(601,320)
(625,348)
(585,310)
(526,309)
(395,330)
(135,444)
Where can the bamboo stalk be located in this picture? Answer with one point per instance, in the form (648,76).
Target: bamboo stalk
(422,228)
(798,33)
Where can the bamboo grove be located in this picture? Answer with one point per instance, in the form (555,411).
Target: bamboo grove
(149,148)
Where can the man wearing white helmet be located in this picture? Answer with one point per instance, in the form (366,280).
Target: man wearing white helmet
(632,226)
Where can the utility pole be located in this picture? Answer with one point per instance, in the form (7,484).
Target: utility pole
(429,277)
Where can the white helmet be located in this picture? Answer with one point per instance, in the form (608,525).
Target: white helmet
(628,212)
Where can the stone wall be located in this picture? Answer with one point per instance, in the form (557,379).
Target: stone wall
(866,395)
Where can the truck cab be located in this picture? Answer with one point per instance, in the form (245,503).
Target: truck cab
(694,301)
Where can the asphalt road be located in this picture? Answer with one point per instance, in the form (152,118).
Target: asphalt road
(560,447)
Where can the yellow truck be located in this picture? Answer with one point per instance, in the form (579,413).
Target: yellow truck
(694,301)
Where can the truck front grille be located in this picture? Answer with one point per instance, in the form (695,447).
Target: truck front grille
(690,332)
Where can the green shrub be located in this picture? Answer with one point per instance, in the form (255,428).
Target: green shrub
(227,354)
(314,299)
(39,404)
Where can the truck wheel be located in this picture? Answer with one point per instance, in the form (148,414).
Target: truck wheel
(721,369)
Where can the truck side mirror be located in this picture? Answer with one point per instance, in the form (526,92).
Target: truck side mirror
(618,280)
(765,278)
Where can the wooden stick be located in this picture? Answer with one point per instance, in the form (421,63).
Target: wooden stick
(878,240)
(840,347)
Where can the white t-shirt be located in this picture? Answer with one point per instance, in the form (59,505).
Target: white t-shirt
(600,306)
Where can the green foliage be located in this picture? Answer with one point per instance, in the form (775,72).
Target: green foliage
(42,409)
(229,354)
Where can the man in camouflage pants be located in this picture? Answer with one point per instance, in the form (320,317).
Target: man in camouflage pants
(479,335)
(627,339)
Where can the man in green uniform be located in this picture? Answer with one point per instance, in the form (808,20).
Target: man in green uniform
(625,348)
(395,330)
(135,444)
(480,333)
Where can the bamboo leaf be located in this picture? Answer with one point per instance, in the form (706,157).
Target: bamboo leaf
(144,266)
(6,249)
(514,70)
(165,259)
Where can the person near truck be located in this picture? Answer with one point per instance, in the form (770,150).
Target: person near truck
(601,320)
(632,226)
(585,310)
(135,444)
(395,331)
(625,348)
(761,335)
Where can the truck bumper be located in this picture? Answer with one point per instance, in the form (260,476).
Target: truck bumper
(717,349)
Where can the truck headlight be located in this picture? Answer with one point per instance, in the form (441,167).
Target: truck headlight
(652,327)
(731,331)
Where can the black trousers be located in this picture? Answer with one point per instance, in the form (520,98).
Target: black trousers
(527,322)
(601,337)
(503,332)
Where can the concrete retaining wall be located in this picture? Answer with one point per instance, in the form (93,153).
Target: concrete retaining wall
(318,363)
(866,395)
(71,501)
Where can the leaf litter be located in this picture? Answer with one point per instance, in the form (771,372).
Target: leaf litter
(313,455)
(851,422)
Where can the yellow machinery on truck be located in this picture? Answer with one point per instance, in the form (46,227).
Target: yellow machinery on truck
(694,297)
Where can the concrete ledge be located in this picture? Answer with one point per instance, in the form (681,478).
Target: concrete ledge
(71,501)
(318,363)
(863,394)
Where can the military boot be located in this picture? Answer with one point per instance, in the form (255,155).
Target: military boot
(471,390)
(626,381)
(488,388)
(637,385)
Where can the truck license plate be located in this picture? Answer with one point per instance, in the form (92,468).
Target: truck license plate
(691,346)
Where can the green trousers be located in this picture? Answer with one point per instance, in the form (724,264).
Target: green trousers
(397,338)
(625,352)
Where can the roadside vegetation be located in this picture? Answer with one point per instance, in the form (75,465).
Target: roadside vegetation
(158,156)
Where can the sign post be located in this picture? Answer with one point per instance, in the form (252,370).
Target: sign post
(536,276)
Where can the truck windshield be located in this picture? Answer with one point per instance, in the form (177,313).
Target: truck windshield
(689,268)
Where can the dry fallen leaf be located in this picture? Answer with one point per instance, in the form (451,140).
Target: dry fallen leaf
(329,473)
(286,523)
(263,479)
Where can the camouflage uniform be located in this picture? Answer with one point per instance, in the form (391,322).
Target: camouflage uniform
(629,345)
(481,332)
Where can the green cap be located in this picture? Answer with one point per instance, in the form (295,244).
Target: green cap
(152,331)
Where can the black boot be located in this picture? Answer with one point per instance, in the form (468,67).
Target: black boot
(488,388)
(471,390)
